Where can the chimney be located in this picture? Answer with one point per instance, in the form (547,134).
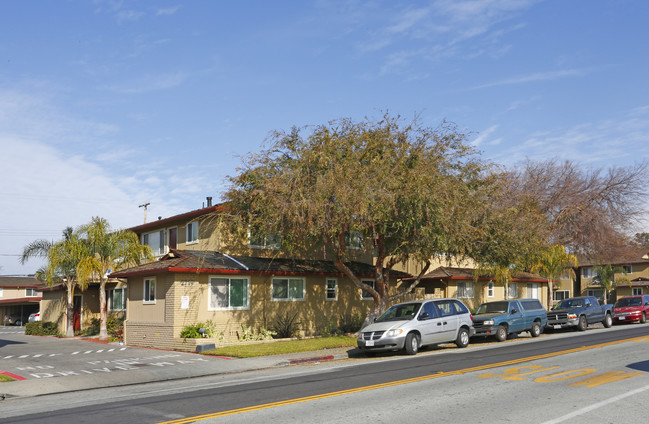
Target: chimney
(209,201)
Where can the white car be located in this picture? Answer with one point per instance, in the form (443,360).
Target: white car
(411,325)
(36,316)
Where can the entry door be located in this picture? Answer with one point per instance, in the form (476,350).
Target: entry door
(76,313)
(173,237)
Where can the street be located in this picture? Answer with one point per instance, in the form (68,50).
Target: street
(525,380)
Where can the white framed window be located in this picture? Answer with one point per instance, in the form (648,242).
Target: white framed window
(156,241)
(1,293)
(465,289)
(287,289)
(30,292)
(490,289)
(512,290)
(365,295)
(149,291)
(258,241)
(192,233)
(331,289)
(229,293)
(533,290)
(588,272)
(354,240)
(117,299)
(560,294)
(628,269)
(636,291)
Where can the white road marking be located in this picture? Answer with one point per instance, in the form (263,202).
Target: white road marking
(597,405)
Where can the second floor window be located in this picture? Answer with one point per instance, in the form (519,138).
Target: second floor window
(30,292)
(192,232)
(156,241)
(258,240)
(588,272)
(627,269)
(354,240)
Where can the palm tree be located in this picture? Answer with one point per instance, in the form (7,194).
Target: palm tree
(605,274)
(109,251)
(552,263)
(62,259)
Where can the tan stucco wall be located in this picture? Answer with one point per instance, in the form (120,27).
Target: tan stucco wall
(160,325)
(53,308)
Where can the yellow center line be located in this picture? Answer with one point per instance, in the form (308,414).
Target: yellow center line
(394,383)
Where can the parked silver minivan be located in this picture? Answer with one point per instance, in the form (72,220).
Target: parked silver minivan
(411,325)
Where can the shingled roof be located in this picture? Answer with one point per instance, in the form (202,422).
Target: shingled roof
(200,261)
(452,273)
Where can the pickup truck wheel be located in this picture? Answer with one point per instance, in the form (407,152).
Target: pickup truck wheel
(608,321)
(412,344)
(535,331)
(462,338)
(583,324)
(501,333)
(643,318)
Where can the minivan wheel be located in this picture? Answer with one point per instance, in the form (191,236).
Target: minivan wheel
(608,321)
(583,324)
(412,344)
(501,333)
(462,338)
(536,329)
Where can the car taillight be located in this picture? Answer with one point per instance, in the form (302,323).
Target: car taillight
(471,316)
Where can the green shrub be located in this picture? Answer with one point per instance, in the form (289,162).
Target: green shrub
(349,324)
(191,331)
(285,325)
(115,327)
(247,334)
(42,328)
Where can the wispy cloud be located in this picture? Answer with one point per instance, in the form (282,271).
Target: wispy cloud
(535,77)
(167,11)
(619,140)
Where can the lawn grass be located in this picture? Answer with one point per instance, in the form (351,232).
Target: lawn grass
(285,346)
(5,378)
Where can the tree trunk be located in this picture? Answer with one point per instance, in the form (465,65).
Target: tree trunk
(103,315)
(69,327)
(550,290)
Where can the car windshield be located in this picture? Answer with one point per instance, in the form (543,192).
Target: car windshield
(406,311)
(628,301)
(492,308)
(570,303)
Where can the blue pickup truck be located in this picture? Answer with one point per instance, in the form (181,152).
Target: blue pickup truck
(502,318)
(579,312)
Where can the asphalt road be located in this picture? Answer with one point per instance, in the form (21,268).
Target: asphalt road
(299,389)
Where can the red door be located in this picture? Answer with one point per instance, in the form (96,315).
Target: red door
(76,314)
(173,232)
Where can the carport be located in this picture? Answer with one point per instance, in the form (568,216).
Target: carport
(19,295)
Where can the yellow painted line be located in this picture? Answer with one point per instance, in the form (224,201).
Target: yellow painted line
(394,383)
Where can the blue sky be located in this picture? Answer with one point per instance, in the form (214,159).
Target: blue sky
(106,105)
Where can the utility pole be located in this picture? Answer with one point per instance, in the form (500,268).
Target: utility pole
(144,205)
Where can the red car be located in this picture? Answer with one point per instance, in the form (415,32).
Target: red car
(631,309)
